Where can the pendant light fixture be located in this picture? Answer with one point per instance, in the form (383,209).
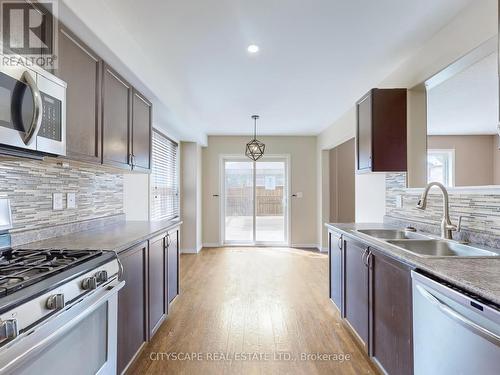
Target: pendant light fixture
(255,148)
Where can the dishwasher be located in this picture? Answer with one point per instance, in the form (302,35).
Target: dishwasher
(454,332)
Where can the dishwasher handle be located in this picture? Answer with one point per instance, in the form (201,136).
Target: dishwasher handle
(459,318)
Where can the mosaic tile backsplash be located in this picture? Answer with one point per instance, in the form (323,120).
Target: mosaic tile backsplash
(30,184)
(481,212)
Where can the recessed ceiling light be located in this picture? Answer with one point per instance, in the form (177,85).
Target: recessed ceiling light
(253,48)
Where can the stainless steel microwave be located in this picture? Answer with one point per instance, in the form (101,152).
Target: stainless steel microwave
(32,110)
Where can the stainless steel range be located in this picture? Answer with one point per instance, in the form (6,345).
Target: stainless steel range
(58,310)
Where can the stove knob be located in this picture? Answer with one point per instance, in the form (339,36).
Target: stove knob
(8,329)
(89,283)
(101,276)
(55,302)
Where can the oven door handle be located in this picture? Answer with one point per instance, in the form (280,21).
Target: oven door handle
(36,120)
(22,353)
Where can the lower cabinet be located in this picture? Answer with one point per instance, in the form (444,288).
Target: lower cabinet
(151,275)
(336,269)
(132,305)
(173,264)
(378,305)
(157,264)
(356,289)
(391,322)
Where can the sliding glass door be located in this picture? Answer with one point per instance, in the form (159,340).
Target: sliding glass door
(255,201)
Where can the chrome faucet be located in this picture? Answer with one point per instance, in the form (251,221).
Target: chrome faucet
(446,226)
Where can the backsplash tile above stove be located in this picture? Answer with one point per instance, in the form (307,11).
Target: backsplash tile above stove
(29,184)
(481,212)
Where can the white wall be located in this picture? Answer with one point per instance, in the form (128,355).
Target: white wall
(302,151)
(190,195)
(472,26)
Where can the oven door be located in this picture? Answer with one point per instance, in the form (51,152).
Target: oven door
(20,107)
(81,340)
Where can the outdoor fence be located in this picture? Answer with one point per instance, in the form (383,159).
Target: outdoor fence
(268,202)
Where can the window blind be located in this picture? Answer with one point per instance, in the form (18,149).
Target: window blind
(164,178)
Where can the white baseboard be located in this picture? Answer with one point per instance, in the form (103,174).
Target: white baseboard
(305,245)
(212,244)
(192,250)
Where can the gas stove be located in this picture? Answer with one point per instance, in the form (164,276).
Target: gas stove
(20,268)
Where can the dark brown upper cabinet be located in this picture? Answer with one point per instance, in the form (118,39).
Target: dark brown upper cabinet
(141,132)
(80,68)
(381,131)
(116,111)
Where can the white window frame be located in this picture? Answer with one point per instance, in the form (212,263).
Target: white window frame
(450,166)
(177,177)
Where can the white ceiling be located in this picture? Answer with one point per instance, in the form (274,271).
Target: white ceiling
(466,103)
(316,56)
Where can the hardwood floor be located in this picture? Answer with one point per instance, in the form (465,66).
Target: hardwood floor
(240,307)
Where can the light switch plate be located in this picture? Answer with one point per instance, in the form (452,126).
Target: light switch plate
(71,200)
(57,201)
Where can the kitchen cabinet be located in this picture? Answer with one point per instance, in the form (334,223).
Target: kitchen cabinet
(132,305)
(356,289)
(80,68)
(391,324)
(173,264)
(141,132)
(381,131)
(157,264)
(336,269)
(116,110)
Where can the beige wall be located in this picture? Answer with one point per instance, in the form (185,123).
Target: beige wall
(342,191)
(190,196)
(474,155)
(474,25)
(302,151)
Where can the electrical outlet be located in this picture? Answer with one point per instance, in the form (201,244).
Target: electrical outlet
(71,200)
(57,201)
(399,201)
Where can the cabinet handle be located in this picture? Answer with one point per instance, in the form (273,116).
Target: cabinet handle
(364,256)
(369,259)
(168,240)
(340,243)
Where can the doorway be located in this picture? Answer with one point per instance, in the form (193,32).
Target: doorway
(255,201)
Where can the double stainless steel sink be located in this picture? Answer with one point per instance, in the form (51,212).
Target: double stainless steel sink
(425,245)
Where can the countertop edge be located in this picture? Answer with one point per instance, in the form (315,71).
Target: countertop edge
(410,260)
(147,237)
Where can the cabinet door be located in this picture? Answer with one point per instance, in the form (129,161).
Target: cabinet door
(356,289)
(335,254)
(157,275)
(173,265)
(391,314)
(80,68)
(116,100)
(132,302)
(141,132)
(364,132)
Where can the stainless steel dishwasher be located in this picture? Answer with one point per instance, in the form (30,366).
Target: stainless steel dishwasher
(454,332)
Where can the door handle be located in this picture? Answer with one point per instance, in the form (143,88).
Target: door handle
(459,318)
(36,121)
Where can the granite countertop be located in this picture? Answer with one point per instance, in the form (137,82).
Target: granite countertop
(480,276)
(115,237)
